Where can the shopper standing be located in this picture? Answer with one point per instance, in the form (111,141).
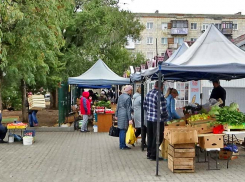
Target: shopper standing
(170,97)
(150,106)
(123,115)
(85,110)
(137,114)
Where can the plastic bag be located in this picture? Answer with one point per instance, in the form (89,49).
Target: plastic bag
(130,135)
(231,147)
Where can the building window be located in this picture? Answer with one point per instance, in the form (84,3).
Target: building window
(162,54)
(137,42)
(193,26)
(218,25)
(193,39)
(183,90)
(149,55)
(149,25)
(165,41)
(178,40)
(164,26)
(149,40)
(179,24)
(205,26)
(235,26)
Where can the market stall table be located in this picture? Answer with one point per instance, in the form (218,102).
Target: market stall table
(232,133)
(209,148)
(104,121)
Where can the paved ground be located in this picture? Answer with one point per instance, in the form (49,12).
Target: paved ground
(75,156)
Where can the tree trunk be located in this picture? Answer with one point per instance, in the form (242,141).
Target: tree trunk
(1,83)
(24,109)
(53,99)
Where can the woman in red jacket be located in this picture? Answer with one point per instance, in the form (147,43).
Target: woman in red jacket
(85,110)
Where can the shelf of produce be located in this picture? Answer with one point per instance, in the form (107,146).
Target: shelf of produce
(104,121)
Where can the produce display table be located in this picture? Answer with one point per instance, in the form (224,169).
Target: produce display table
(232,133)
(104,122)
(16,126)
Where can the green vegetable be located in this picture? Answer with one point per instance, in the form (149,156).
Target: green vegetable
(230,117)
(233,106)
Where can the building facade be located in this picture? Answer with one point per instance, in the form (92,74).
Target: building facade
(169,31)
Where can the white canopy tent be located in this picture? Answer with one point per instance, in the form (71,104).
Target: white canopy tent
(178,52)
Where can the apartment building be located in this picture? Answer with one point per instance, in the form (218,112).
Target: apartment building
(171,30)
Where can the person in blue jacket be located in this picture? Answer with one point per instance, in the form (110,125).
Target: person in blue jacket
(170,97)
(3,130)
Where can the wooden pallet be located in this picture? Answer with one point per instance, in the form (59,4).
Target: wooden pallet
(181,165)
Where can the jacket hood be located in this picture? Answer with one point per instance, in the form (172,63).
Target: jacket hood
(85,94)
(136,95)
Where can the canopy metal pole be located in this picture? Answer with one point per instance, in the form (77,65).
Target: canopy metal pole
(158,116)
(143,132)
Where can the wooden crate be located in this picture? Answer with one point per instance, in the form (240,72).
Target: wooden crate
(181,165)
(164,149)
(182,151)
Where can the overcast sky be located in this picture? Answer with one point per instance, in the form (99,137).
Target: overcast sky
(184,6)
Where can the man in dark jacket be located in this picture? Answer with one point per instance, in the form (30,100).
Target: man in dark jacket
(218,92)
(3,130)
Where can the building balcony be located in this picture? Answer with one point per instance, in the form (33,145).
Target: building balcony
(179,31)
(227,31)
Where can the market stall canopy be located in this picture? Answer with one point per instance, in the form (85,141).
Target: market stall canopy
(211,57)
(94,86)
(178,52)
(99,74)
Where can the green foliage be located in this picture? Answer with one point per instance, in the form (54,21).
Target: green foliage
(100,31)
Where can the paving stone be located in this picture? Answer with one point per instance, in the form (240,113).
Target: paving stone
(88,157)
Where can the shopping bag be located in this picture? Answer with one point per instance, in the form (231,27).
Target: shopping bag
(130,135)
(114,131)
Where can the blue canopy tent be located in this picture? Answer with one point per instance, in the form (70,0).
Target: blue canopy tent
(99,74)
(211,57)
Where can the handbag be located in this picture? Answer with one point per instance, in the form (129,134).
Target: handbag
(114,131)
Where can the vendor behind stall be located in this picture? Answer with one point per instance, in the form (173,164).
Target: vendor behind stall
(218,92)
(170,97)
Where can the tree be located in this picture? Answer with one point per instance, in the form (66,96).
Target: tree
(32,36)
(100,30)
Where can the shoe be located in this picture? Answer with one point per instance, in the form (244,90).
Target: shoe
(133,145)
(82,131)
(87,131)
(126,148)
(154,159)
(2,141)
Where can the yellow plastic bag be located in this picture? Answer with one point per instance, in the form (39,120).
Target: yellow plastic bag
(130,135)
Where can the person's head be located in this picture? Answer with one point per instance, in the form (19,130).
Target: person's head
(138,90)
(216,83)
(29,94)
(171,91)
(128,89)
(156,85)
(85,94)
(174,93)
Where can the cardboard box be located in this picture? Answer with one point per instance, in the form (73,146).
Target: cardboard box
(180,135)
(203,126)
(211,141)
(229,127)
(181,165)
(164,149)
(182,150)
(225,155)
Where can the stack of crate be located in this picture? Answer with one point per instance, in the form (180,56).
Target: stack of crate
(181,158)
(36,102)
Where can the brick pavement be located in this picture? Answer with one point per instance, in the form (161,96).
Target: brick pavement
(95,157)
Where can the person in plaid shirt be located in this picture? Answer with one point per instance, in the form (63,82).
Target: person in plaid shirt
(150,107)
